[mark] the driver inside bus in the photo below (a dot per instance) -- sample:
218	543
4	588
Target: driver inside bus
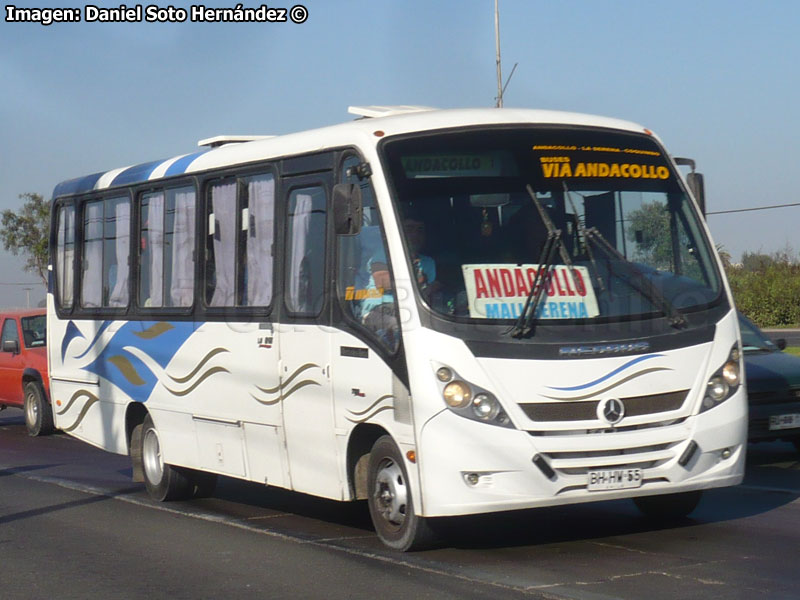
377	309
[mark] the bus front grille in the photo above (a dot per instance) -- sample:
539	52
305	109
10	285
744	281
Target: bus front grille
586	410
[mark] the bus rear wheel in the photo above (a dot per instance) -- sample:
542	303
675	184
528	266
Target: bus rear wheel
669	507
163	482
390	504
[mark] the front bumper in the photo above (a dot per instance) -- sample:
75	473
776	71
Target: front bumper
468	467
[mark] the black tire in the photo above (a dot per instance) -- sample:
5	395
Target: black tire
163	482
390	503
669	507
38	412
203	484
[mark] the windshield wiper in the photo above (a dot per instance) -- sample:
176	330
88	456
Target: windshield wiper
525	324
582	233
641	283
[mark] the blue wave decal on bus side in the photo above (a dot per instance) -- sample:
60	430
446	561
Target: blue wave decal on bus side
71	333
103	326
608	376
158	340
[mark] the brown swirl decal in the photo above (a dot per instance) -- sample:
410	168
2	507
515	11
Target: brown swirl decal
305	367
72	400
154	331
202	363
372	414
371	406
127	369
91	400
372	410
283	385
196	384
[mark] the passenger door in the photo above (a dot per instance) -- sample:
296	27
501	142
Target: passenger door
305	345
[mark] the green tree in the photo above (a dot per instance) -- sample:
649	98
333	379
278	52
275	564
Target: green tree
26	231
648	228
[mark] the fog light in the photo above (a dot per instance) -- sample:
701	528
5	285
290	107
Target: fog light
457	394
472	478
726	453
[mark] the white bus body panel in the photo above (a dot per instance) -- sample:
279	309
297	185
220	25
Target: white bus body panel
450	447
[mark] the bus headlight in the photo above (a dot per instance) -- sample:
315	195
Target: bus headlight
485	406
724	382
717	389
469	400
444	374
457	394
730	373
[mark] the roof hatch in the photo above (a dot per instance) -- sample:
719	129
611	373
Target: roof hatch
385	111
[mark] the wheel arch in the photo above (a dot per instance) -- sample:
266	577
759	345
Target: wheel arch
134	417
359	445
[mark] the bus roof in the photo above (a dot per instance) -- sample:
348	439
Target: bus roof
234	150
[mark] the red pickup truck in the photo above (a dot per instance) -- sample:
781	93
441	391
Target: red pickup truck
23	368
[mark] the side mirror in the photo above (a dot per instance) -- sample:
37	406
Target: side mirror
347	208
696	184
781	343
11	346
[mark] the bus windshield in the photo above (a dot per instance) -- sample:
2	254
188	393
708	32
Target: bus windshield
484	211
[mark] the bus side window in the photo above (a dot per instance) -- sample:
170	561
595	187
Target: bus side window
364	283
65	251
259	194
305	256
166	272
106	248
221	245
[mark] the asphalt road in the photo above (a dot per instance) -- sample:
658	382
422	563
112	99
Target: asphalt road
792	336
72	525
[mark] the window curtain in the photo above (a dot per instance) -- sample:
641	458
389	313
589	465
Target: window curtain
261	196
155	243
92	278
122	248
223	199
66	250
299	275
182	289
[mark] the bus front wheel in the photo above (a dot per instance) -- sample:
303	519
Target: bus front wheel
389	500
163	481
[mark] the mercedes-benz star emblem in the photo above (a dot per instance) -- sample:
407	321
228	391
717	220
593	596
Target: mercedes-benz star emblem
612	410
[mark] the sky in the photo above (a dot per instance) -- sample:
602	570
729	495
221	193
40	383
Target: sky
717	80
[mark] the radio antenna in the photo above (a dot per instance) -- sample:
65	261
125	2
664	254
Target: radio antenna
497	53
500	87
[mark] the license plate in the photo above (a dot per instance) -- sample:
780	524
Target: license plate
784	422
614	479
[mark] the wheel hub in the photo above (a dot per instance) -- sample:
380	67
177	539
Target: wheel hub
391	493
151	457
